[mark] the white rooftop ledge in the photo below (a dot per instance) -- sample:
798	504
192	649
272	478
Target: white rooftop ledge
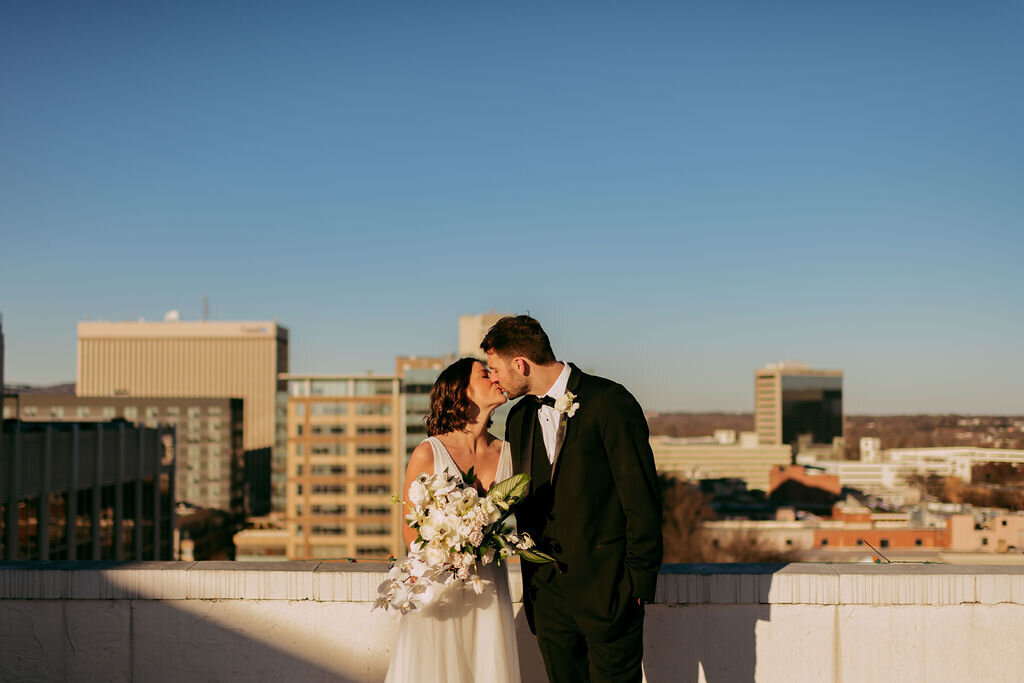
312	621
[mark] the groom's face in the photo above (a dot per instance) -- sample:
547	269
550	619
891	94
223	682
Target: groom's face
505	373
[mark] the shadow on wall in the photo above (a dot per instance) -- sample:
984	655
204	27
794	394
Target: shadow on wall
156	640
715	638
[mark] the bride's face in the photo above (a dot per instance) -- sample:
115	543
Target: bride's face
482	390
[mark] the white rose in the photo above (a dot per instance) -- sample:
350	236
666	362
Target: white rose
476	537
563	402
418	493
436	556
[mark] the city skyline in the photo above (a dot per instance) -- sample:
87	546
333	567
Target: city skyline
680	196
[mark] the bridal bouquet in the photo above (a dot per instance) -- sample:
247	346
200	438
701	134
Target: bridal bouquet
458	530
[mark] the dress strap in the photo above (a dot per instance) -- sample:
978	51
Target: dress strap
442	459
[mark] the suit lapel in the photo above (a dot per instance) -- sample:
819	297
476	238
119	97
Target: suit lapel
527	428
573	385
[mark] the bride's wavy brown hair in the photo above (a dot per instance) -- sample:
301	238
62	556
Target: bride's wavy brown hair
450	407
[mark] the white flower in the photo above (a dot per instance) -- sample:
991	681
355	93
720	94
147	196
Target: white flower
476	537
566	404
418	494
488	556
435	556
463	573
477	584
525	543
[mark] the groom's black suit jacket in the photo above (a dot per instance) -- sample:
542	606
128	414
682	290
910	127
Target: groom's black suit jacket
600	517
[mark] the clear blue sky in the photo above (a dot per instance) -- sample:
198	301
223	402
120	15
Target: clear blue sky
680	194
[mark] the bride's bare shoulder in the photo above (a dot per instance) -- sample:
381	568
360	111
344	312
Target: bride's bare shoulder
421	459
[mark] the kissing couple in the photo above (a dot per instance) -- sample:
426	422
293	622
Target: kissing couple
592	504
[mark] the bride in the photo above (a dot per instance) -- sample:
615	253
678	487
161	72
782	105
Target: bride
462	636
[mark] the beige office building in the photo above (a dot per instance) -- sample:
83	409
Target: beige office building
795	404
346	446
708	459
190	359
472	329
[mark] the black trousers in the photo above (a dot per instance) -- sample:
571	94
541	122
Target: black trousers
570	656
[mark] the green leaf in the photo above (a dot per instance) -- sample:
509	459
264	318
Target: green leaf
469	477
535	556
511	489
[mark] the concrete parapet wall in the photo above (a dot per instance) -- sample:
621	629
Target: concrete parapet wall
153	621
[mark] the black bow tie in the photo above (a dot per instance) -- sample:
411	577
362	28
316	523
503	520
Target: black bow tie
542	400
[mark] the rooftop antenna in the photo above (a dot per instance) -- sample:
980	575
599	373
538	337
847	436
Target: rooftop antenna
206	308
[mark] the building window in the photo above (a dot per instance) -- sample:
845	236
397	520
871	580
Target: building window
373	387
824	541
373	551
194	411
371	470
984	541
298	489
374	511
860	541
328	470
328	530
299	449
884	543
29	411
374	489
328	449
298	470
330	387
321	409
108	412
918	541
298	430
328	489
83	411
1004	522
152	411
57	411
789	541
373	429
329	510
366	449
213	410
174	411
372	530
8	412
375	408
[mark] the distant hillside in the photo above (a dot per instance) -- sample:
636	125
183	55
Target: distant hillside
67	388
895	431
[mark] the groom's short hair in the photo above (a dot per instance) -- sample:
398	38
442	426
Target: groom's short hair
519	335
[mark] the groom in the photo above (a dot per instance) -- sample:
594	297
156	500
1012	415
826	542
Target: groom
593	505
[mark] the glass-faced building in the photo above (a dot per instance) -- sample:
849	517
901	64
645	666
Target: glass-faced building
795	404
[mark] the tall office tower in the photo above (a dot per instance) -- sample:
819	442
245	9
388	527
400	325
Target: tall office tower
346	445
417	377
472	329
794	404
190	359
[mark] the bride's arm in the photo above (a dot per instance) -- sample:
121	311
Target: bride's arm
420	462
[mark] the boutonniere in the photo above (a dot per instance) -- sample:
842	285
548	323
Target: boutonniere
567	405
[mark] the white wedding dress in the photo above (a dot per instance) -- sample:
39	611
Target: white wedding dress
462	637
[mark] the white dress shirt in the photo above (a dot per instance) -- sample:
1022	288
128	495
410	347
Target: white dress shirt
550	419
